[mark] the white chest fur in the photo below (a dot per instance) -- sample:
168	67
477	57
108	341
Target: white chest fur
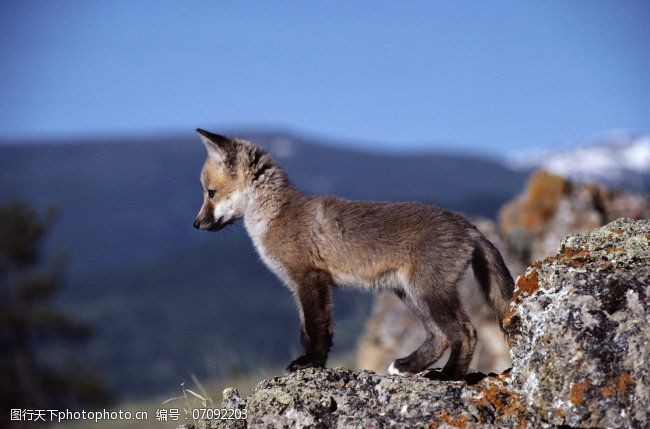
257	228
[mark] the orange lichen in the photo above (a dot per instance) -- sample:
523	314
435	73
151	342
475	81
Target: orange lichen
459	421
617	231
608	390
503	401
624	381
619	386
570	256
577	393
579	259
647	236
529	282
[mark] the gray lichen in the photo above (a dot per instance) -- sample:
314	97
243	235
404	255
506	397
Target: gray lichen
345	398
579	329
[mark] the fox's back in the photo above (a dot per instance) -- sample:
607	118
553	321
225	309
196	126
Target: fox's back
380	240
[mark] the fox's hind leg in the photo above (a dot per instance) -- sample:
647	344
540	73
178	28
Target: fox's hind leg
433	295
448	320
425	355
448	313
462	340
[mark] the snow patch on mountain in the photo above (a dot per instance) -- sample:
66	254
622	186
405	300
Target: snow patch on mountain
620	161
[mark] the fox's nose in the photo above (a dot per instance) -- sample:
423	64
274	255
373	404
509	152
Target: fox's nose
197	225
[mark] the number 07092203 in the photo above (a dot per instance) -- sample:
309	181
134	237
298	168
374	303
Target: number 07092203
219	413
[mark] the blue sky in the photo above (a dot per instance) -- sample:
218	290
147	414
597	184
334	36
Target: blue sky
488	76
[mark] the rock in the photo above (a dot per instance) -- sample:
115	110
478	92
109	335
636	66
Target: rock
579	343
578	327
344	398
552	207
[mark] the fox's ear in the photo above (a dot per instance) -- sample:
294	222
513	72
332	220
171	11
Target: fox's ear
220	148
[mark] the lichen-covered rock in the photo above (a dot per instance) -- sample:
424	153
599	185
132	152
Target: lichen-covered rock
580	346
551	207
342	398
579	329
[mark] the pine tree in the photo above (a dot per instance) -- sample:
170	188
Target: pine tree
30	322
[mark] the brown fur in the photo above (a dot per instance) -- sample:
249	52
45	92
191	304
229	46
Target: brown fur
418	251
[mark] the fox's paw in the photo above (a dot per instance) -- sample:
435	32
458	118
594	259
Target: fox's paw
392	370
405	366
306	361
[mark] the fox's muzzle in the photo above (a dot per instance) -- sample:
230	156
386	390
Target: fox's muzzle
211	225
204	219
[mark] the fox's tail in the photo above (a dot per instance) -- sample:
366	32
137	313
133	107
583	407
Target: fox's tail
493	277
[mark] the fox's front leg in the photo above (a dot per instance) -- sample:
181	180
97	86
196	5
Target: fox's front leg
312	293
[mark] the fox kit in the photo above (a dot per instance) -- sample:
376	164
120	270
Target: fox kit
418	251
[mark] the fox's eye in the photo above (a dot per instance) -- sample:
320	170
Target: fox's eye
211	193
